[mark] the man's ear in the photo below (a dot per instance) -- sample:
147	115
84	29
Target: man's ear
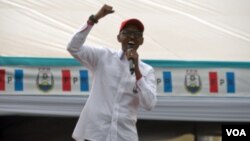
141	41
119	38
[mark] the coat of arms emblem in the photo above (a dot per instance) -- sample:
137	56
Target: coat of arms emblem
45	79
192	81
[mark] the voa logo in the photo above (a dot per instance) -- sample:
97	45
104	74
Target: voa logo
236	132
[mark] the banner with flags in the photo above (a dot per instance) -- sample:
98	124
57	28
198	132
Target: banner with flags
44	80
76	80
203	81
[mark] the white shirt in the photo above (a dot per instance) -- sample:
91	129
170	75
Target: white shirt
110	113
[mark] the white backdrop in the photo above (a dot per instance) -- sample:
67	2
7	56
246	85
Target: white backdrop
214	30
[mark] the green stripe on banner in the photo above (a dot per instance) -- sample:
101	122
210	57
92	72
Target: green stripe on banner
36	61
33	61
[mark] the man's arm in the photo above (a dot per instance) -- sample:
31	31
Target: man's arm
146	86
87	55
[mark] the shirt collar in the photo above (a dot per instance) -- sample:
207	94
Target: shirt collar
121	54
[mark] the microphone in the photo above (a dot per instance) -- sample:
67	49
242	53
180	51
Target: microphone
131	60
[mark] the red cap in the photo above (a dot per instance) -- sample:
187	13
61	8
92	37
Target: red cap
135	22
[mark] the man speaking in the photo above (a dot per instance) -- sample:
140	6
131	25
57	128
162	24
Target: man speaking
121	83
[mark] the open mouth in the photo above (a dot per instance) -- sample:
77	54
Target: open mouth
131	43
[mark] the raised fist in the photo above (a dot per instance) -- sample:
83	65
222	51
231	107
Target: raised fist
105	10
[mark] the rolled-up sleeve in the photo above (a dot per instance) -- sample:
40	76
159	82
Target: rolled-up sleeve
147	90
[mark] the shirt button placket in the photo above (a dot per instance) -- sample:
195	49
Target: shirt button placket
114	123
116	112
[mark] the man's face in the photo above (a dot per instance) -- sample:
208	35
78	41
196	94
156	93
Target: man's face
130	34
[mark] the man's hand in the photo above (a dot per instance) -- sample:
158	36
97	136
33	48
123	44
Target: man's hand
132	54
105	10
